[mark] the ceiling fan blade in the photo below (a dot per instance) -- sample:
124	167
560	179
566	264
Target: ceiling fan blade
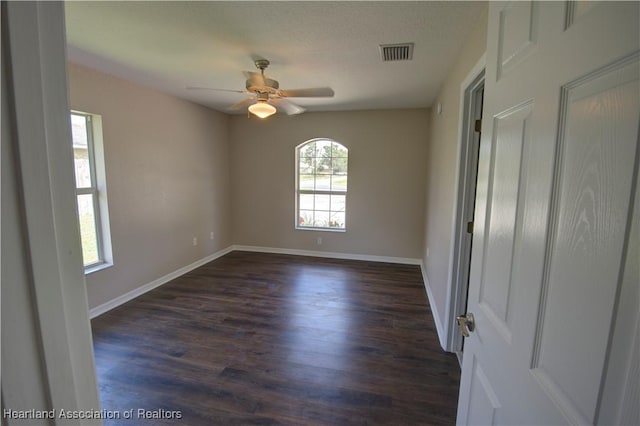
217	90
288	107
255	78
316	92
243	103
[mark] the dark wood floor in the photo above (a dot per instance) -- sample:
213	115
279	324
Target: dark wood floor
267	339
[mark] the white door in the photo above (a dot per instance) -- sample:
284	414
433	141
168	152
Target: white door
554	275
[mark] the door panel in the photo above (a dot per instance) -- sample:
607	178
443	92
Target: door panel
621	392
576	9
550	278
483	403
595	174
510	135
517	34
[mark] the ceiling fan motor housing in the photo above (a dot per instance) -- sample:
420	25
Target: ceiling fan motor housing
270	86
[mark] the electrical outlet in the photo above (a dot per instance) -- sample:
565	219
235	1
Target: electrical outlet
211	235
195	241
319	241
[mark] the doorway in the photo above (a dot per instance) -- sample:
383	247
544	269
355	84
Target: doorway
471	128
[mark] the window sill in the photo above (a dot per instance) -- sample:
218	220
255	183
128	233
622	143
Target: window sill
95	268
300	228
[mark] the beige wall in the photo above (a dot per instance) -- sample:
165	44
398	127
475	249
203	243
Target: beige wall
176	171
385	201
441	168
167	167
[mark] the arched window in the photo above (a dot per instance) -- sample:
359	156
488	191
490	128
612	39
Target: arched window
321	185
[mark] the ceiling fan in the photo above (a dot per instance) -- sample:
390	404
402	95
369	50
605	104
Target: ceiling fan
266	94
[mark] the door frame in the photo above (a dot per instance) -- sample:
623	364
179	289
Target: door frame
466	170
62	373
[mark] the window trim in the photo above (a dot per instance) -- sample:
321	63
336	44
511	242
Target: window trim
314	192
97	189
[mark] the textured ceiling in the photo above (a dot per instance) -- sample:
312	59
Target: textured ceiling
171	45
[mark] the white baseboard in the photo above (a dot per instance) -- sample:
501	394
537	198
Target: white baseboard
442	335
331	255
101	309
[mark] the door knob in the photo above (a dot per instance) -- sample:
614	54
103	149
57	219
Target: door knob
466	323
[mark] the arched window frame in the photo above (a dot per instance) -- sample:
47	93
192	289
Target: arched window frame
321	185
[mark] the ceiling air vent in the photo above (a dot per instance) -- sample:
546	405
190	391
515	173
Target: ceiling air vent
396	52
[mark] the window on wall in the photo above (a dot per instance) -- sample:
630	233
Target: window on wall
321	185
91	193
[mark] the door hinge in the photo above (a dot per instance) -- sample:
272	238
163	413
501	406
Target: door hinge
478	126
470	227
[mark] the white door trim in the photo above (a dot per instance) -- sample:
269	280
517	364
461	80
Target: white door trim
457	278
41	134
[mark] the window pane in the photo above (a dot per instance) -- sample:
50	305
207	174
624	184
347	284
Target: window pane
88	233
338	203
322	202
338	151
82	167
305	218
306	202
321	219
339	165
79	131
309	150
339	182
323	183
307	182
323	149
323	166
80	151
307	165
337	220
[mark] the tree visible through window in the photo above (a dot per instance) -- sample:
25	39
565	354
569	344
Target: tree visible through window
321	172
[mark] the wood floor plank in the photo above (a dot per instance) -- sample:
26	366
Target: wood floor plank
268	339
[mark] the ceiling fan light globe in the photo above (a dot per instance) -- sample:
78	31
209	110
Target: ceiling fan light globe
262	109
